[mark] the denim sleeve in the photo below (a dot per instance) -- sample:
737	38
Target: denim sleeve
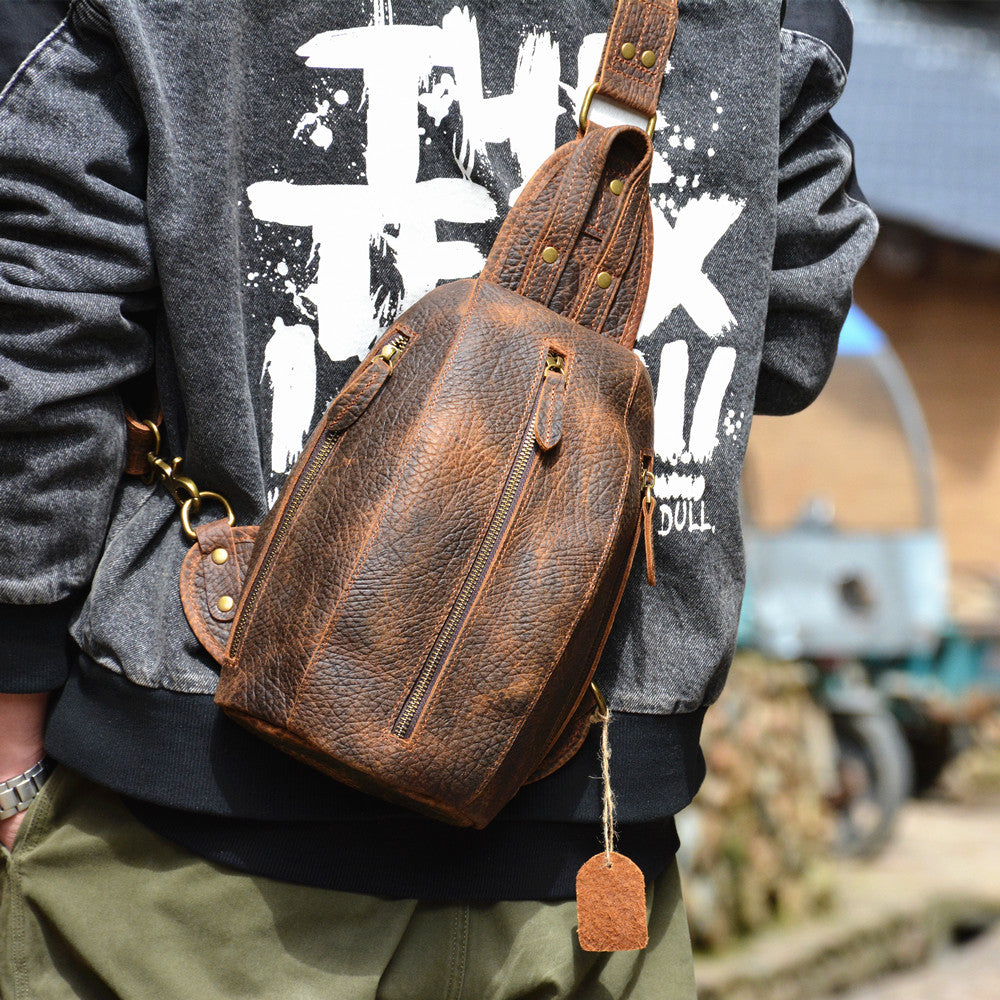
825	230
77	284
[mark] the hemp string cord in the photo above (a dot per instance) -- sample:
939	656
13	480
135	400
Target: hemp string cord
609	799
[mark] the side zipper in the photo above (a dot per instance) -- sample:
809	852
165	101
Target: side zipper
413	708
389	356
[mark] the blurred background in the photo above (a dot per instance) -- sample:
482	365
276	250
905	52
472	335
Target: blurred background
850	823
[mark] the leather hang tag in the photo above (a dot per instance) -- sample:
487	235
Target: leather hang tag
611	904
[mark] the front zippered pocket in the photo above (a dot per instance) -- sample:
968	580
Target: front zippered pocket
416	701
389	355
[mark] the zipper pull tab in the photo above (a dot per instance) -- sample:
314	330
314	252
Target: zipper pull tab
648	508
391	352
548	425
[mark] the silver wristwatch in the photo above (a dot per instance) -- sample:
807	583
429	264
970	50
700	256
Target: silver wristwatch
16	793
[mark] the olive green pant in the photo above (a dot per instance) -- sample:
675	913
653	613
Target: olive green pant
94	905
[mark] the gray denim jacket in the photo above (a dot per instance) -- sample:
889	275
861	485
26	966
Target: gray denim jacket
238	195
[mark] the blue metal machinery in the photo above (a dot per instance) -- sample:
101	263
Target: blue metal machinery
870	609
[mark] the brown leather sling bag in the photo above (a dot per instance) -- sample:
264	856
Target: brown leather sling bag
421	613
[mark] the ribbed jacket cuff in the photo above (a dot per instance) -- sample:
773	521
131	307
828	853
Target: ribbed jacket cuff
34	646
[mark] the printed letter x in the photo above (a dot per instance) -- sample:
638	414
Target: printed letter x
679	253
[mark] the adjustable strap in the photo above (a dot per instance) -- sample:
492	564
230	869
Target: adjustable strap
578	239
635	54
599	286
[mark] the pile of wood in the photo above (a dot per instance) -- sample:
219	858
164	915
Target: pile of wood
756	840
973	777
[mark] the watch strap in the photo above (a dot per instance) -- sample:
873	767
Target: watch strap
17	793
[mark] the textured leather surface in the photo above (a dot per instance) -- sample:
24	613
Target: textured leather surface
611	905
204	581
649	26
569	205
548	427
425	605
355	592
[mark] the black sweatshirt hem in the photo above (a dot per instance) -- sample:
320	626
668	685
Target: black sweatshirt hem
198	779
180	750
407	858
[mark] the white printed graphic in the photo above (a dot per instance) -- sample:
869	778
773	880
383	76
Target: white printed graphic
680	490
679	253
289	364
406	71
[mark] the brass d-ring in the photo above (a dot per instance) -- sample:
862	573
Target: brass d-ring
193	504
602	705
156	435
585	112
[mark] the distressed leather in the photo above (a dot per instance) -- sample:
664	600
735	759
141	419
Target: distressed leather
354	580
204	581
424	607
569	205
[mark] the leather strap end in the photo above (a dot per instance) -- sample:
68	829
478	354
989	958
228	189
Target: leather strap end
139	442
549	422
636	53
649	506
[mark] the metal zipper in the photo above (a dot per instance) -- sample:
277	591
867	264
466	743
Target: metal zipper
389	355
413	707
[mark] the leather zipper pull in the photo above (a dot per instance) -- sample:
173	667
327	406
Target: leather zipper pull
648	509
548	425
357	395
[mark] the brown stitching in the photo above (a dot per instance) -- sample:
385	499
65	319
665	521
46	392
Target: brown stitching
615	249
590	589
570	225
518	220
558	221
618	252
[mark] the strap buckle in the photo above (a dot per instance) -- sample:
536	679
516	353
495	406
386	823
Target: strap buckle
585	111
183	489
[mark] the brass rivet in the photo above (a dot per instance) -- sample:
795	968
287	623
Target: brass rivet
219	556
648	58
550	255
604	280
225	603
617	187
628	51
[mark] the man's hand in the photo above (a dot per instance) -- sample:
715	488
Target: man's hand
22	745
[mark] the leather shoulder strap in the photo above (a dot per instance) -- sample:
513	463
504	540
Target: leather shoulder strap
636	52
579	238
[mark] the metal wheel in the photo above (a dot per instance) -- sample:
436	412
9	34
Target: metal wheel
875	772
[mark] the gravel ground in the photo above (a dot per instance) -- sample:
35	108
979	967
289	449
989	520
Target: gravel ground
967	972
942	869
